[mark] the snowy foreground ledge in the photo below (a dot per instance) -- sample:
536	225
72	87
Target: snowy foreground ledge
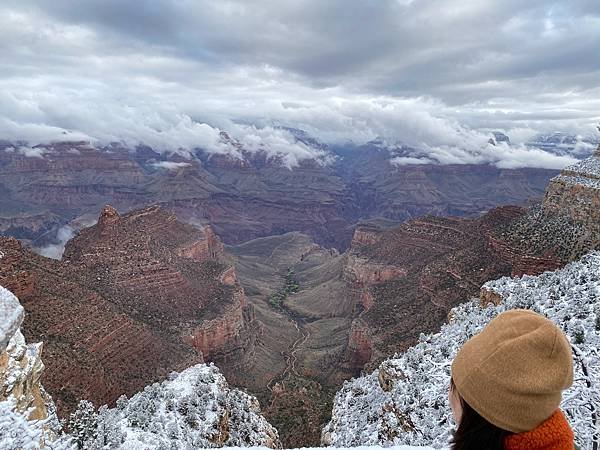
405	401
396	447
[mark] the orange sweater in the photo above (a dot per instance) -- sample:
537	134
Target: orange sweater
553	434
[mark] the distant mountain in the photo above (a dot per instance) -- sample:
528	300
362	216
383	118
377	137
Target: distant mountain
253	194
560	143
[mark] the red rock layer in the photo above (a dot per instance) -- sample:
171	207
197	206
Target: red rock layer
408	278
135	297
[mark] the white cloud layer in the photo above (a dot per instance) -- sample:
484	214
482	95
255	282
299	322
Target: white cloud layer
434	75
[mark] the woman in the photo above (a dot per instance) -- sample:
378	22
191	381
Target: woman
507	384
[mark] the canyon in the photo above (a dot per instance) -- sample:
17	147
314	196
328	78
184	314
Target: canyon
134	298
49	186
313	285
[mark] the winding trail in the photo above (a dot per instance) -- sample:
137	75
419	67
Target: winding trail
290	355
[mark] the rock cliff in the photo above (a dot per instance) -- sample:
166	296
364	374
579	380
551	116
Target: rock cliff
135	297
21	367
405	400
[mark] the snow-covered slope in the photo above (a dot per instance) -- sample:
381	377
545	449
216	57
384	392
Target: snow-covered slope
192	409
405	400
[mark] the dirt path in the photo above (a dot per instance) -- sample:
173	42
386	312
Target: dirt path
290	356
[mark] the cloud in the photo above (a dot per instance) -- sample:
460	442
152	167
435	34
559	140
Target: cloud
170	165
409	161
436	75
56	249
64	234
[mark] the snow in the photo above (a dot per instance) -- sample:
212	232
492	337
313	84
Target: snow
592	183
585	173
193	409
589	167
11	316
413	408
16	432
362	447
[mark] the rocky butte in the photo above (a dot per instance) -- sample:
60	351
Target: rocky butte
134	298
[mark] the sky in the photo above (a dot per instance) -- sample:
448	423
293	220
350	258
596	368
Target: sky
437	75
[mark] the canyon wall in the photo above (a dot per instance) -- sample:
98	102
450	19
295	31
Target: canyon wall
134	297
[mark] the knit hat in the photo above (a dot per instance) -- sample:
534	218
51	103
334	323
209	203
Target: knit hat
513	372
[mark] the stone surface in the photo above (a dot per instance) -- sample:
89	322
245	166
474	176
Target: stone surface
134	297
21	365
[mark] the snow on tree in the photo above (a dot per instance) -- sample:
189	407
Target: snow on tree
17	432
192	409
83	423
405	401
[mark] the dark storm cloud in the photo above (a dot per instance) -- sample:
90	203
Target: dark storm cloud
430	73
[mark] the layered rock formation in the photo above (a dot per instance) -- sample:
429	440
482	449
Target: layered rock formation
405	400
133	298
406	279
410	276
244	197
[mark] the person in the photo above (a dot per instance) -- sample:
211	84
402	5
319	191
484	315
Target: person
506	386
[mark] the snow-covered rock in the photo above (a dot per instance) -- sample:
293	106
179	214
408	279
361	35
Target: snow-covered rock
405	401
11	317
193	409
24	404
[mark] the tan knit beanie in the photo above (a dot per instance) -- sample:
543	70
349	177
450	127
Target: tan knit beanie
514	371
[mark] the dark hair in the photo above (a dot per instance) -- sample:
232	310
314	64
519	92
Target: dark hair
476	433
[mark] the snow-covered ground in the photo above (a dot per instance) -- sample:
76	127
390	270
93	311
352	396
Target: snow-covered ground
192	409
362	447
405	401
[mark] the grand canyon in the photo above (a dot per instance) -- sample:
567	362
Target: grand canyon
288	318
274	224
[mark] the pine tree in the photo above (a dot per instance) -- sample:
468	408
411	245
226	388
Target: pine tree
83	423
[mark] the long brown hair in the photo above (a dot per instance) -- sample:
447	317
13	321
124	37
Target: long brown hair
474	432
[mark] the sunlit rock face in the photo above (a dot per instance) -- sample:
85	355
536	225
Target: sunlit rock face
21	365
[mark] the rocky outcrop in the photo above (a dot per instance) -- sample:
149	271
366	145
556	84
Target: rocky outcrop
135	296
360	348
363	271
226	337
195	408
21	366
487	297
575	193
